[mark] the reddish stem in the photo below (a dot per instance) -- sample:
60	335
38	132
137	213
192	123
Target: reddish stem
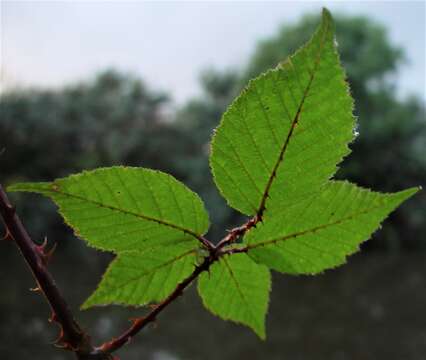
215	253
237	232
142	322
72	337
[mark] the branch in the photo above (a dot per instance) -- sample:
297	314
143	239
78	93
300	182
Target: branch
72	337
215	253
142	322
206	243
237	232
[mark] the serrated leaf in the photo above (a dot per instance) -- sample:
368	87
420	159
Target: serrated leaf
321	231
283	136
149	218
237	289
126	209
140	277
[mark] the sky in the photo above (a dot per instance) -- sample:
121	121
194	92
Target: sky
168	44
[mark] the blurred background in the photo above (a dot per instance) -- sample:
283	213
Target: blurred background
89	84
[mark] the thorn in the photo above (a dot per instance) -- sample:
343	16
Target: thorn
11	208
7	236
53	317
49	254
59	342
135	321
46	255
43	245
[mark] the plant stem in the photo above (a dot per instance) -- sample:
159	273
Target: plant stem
142	322
237	232
72	337
215	253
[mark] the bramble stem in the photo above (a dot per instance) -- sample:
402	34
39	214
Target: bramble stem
215	253
237	232
72	337
142	322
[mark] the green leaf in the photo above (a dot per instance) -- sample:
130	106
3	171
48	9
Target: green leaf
236	288
126	209
321	231
283	136
139	277
149	218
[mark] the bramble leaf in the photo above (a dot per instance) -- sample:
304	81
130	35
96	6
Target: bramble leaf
140	277
272	157
149	218
126	209
321	231
283	136
237	289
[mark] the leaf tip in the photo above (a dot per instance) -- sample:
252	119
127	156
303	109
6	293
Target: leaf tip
327	20
407	193
326	15
261	333
87	304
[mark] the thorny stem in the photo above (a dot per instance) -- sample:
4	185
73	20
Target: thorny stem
239	231
140	323
72	336
207	243
216	251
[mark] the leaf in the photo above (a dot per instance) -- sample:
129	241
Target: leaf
320	232
126	209
237	289
149	218
139	277
281	139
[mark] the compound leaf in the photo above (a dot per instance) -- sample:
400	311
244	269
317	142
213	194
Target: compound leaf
272	156
321	231
283	136
237	289
126	209
140	277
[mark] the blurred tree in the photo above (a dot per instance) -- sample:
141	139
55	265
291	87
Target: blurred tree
199	117
112	119
116	119
389	153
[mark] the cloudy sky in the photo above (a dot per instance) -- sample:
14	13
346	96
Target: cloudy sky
50	43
